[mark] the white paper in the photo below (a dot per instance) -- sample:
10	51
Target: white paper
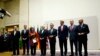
34	41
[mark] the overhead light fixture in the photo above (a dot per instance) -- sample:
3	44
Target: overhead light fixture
3	13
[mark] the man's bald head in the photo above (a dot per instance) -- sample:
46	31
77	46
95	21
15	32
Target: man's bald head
81	21
71	22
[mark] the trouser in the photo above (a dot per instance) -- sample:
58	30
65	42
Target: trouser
43	46
10	47
84	43
1	46
52	47
6	45
63	43
25	46
33	49
16	48
74	42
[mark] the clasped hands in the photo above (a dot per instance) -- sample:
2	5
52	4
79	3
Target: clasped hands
81	33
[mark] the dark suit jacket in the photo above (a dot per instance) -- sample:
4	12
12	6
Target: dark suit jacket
84	29
1	38
63	34
44	34
54	33
25	35
2	43
73	33
16	36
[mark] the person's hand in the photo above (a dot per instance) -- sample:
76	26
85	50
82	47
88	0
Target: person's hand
79	33
41	38
24	38
82	33
51	36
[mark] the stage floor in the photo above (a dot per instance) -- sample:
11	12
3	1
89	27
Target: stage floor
90	52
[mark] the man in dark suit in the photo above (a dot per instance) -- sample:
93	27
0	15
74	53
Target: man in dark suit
15	36
73	37
25	39
63	35
43	38
10	41
5	34
82	31
1	42
52	33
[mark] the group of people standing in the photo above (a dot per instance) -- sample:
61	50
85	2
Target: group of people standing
5	41
77	35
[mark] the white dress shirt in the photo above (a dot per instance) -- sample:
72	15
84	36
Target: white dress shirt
24	30
62	28
51	30
14	32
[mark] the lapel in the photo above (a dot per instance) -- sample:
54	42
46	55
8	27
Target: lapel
40	31
23	31
83	26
